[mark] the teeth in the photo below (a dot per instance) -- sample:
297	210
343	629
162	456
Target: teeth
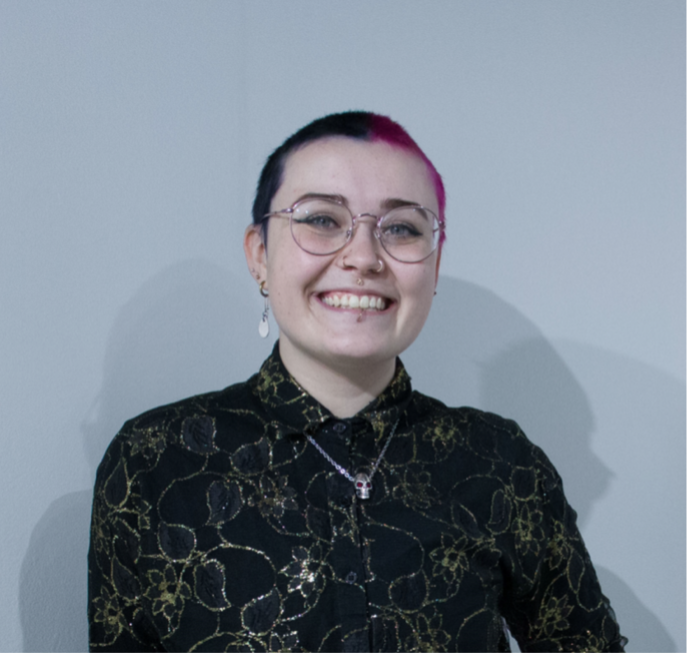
354	302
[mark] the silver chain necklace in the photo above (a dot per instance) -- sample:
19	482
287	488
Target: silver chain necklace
362	480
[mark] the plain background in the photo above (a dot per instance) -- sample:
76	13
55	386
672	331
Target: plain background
131	137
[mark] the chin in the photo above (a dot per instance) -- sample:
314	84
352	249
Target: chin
357	352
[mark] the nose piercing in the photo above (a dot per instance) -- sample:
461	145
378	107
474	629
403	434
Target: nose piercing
360	282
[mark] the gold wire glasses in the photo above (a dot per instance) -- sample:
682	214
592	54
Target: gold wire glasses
324	225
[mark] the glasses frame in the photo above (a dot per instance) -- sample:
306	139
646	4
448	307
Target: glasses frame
290	211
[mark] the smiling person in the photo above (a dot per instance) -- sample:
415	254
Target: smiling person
323	505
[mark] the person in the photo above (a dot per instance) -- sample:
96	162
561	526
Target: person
323	505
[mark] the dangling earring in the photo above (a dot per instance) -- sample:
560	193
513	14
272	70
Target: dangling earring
263	324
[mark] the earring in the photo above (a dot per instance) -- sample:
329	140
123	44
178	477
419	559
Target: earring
263	324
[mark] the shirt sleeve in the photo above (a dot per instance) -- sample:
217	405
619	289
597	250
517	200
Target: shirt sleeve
117	619
555	602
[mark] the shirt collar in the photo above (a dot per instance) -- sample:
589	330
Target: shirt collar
299	412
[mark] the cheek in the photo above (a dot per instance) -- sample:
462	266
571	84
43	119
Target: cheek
291	277
420	288
419	298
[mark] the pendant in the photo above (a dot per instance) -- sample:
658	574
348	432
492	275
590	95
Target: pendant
263	325
362	485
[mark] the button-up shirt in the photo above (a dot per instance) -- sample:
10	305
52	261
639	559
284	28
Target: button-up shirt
218	526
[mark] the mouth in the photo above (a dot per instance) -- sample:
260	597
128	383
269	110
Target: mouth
349	301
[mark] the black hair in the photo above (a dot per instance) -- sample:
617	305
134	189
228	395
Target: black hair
366	126
356	125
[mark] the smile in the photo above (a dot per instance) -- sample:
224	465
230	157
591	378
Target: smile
355	302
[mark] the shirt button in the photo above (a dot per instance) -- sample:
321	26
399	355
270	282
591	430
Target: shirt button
340	427
351	578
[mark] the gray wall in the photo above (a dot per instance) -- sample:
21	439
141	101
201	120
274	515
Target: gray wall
131	136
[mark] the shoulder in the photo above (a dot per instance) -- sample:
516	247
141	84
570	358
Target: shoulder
484	435
468	420
196	426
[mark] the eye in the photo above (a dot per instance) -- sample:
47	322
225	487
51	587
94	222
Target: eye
401	230
320	221
407	225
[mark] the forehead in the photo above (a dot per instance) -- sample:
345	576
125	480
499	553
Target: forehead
365	173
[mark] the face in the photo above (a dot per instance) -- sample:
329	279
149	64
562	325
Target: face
312	296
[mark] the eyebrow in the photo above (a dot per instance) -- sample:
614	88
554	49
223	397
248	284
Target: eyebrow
388	204
392	203
337	198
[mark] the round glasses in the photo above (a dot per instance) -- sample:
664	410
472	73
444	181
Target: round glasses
409	233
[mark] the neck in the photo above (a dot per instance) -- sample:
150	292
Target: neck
343	387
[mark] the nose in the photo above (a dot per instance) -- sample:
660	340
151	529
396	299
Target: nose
363	251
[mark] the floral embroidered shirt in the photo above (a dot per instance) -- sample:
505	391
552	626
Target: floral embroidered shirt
217	526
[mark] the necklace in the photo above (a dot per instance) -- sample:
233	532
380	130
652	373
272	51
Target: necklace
362	479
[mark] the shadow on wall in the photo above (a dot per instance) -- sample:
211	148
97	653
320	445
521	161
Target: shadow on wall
487	355
477	350
192	328
189	329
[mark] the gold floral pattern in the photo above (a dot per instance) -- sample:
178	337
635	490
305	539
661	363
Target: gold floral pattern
553	616
217	527
442	436
416	489
147	441
273	497
428	636
167	593
450	559
559	549
107	612
528	530
306	571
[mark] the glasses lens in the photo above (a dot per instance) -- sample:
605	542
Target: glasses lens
410	234
320	226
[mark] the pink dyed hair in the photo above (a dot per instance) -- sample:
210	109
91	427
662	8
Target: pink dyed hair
387	130
354	125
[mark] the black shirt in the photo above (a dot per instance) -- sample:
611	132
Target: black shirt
217	526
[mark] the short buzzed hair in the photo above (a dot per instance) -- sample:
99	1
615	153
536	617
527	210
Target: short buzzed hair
365	126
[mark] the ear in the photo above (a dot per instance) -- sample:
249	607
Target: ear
255	251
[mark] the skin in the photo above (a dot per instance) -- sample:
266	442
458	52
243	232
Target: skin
345	358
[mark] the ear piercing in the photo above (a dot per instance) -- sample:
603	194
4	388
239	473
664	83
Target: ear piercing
263	324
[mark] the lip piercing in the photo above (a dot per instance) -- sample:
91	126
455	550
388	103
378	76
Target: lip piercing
360	315
360	282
